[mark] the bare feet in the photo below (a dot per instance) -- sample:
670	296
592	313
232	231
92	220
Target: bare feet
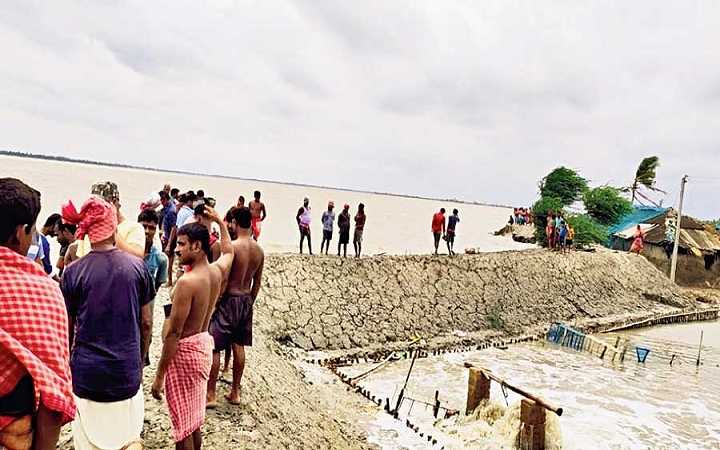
233	399
211	402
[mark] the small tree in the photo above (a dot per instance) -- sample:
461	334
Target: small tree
606	205
587	230
540	210
563	183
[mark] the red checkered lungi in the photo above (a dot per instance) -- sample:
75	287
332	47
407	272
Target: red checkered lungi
33	335
186	384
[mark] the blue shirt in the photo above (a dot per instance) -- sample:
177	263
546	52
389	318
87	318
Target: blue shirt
157	265
452	222
47	264
105	292
169	218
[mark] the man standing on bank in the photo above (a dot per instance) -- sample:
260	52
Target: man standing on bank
450	234
344	229
35	384
187	353
328	219
258	212
108	293
360	219
231	323
438	227
303	219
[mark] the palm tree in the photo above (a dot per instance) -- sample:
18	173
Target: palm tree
645	176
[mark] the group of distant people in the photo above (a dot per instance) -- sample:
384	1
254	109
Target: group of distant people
442	231
304	219
521	216
559	233
73	347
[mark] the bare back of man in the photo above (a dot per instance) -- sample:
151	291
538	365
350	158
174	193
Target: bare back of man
248	261
231	325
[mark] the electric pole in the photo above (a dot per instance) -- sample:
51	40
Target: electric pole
673	261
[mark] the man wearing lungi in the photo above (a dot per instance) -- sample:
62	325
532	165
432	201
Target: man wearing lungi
187	356
108	294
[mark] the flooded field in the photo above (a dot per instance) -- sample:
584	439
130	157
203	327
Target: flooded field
606	405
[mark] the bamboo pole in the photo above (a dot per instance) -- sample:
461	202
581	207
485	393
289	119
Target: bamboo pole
536	399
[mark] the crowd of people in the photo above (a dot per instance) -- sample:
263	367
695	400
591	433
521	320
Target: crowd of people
304	219
521	216
73	347
559	233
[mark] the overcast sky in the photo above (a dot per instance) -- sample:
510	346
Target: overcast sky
469	99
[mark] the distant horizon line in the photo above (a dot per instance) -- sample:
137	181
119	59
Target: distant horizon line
40	156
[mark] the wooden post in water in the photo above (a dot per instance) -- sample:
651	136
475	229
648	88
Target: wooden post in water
478	389
532	425
699	348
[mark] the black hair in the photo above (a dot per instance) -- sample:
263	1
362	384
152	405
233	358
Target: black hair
164	195
174	192
52	220
256	194
19	205
200	210
149	215
229	215
201	193
361	207
191	197
242	217
197	232
70	228
241	199
442	210
455	211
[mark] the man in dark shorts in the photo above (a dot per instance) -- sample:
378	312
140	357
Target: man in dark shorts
450	233
328	218
360	219
344	228
231	323
438	227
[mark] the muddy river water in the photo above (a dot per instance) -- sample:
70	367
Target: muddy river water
607	405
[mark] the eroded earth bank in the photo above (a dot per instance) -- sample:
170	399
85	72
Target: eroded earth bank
341	306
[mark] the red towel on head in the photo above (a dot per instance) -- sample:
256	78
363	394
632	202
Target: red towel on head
97	218
33	335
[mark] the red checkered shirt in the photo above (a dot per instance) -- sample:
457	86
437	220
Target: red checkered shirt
33	335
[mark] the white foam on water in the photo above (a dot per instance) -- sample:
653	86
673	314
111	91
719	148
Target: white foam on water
606	405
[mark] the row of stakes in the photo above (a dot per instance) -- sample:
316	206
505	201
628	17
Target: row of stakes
379	402
380	355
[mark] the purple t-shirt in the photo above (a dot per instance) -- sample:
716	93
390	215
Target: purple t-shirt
105	292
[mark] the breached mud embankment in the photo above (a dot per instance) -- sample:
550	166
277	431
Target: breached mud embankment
330	303
327	303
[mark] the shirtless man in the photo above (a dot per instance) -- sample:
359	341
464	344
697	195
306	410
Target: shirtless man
186	358
231	323
258	213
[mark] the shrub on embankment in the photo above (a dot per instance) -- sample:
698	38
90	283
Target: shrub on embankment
334	303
